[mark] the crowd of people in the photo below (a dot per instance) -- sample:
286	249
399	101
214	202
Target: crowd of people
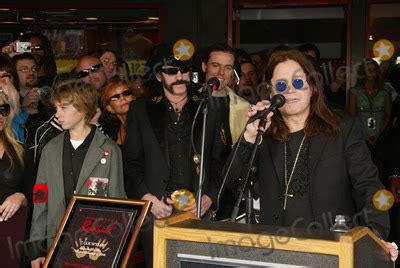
139	137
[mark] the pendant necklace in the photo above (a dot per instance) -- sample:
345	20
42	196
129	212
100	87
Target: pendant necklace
175	104
287	182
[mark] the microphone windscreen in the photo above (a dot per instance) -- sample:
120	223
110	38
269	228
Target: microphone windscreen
277	101
213	83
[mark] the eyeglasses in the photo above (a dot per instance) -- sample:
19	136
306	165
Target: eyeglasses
86	72
175	70
4	75
282	85
5	109
26	69
124	93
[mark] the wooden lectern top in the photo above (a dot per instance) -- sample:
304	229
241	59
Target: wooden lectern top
350	249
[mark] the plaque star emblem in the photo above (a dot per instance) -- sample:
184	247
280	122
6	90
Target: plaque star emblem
383	200
383	49
183	49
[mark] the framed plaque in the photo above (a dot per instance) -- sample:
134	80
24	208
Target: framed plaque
97	232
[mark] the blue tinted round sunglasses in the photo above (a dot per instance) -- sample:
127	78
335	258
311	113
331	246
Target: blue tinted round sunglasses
282	85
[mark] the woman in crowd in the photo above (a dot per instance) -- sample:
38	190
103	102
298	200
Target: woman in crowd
8	70
115	100
123	70
17	173
109	61
9	84
311	163
370	101
91	164
17	176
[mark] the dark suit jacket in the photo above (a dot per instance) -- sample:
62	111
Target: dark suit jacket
48	215
342	177
146	156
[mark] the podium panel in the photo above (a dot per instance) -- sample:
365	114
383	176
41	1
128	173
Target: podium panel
191	253
184	241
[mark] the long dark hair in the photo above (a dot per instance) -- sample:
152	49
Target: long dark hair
320	119
99	52
7	65
362	74
48	61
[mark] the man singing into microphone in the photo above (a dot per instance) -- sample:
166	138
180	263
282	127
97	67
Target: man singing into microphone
158	157
227	117
312	164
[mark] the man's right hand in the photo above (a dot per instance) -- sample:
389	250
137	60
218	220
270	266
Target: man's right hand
31	97
159	208
11	49
37	263
251	129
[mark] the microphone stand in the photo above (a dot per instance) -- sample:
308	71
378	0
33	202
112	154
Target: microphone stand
245	185
249	197
204	103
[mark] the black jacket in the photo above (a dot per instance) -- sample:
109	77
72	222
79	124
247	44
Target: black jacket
342	178
145	151
43	135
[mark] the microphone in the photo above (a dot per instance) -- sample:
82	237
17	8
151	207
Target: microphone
213	84
277	101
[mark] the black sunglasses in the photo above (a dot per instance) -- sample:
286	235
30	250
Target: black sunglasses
86	72
39	47
175	70
5	109
125	93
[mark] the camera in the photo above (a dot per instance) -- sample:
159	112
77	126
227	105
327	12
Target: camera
23	47
43	92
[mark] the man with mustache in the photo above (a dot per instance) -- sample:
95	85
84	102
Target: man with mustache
158	157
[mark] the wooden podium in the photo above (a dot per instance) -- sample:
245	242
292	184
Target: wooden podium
184	241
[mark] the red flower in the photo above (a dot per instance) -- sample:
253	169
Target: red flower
40	193
106	152
88	182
